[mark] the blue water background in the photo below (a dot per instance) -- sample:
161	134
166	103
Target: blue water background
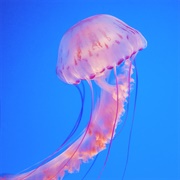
38	110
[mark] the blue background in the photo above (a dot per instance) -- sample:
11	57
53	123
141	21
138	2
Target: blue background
38	110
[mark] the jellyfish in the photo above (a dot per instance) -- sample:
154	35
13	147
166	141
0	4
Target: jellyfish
100	50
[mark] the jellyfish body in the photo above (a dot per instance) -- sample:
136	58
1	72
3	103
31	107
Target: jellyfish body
94	45
91	50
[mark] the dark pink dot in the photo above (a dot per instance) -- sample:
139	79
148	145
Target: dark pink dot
77	82
107	46
92	76
120	61
109	67
102	70
133	53
127	57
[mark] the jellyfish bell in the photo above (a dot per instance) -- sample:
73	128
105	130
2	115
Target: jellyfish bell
95	45
91	50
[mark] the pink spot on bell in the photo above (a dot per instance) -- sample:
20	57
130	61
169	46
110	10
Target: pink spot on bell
127	57
77	81
107	46
117	42
102	71
133	53
120	36
90	53
92	76
120	61
109	67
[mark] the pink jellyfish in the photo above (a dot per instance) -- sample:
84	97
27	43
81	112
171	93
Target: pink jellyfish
100	49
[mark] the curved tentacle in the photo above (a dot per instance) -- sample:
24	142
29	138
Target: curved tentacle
132	122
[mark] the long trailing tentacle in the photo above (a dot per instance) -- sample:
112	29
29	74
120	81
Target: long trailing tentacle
132	122
77	123
84	135
127	108
114	124
87	172
75	127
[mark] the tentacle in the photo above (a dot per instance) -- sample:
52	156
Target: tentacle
132	122
114	125
39	164
100	131
94	161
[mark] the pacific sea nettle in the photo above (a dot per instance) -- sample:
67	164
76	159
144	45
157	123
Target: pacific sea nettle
101	49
